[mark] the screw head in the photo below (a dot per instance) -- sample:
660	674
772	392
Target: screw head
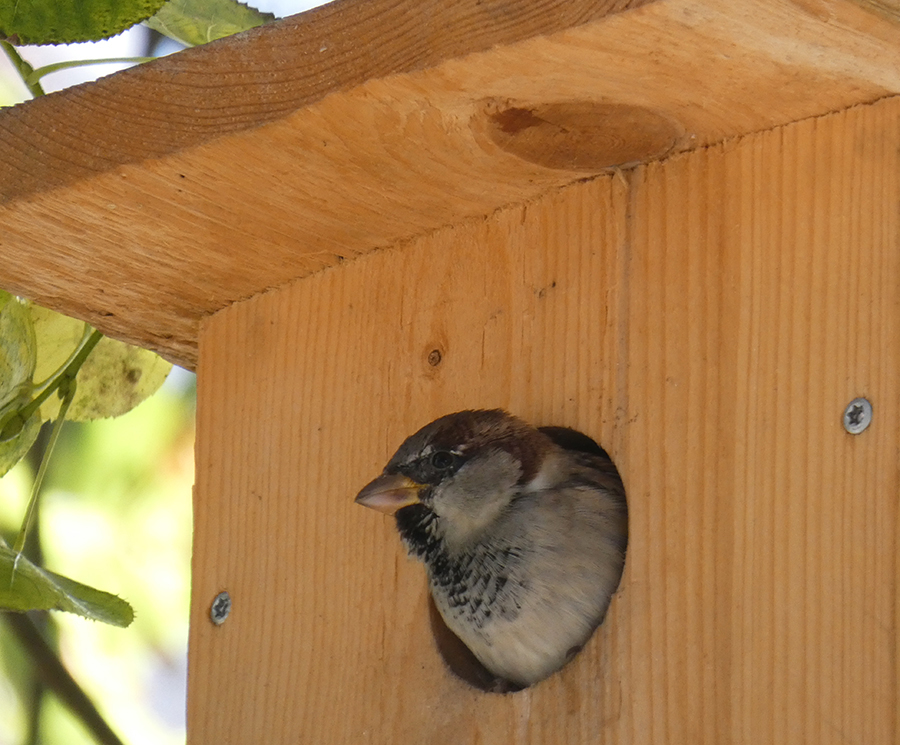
857	416
220	608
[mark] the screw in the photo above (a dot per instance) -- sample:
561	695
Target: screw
857	416
220	608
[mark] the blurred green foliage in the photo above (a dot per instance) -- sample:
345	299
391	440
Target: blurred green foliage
116	511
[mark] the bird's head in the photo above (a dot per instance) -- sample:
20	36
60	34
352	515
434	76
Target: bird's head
464	469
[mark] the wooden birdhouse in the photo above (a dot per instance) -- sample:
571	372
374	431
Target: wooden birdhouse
672	225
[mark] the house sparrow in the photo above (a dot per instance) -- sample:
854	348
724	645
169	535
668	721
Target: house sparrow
523	532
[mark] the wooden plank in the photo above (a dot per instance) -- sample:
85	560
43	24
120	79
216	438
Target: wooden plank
706	319
258	77
155	197
887	8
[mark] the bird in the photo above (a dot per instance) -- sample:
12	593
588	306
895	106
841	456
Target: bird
522	530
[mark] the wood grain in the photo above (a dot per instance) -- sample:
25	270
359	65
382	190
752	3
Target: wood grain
888	8
258	77
706	319
153	198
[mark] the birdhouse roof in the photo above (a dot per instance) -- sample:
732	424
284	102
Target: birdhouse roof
155	197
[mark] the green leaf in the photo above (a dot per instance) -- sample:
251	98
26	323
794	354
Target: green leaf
15	448
57	336
17	364
24	586
114	379
66	21
195	22
18	355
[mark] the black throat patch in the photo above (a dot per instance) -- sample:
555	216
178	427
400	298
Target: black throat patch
474	584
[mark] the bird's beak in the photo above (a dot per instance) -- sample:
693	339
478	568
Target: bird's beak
389	492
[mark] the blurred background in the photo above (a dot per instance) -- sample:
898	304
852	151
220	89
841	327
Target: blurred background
115	513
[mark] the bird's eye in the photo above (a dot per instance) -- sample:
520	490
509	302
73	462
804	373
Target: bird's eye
442	460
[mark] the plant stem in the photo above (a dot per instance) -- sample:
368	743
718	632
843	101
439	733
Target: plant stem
85	335
36	486
65	382
23	68
65	376
35	75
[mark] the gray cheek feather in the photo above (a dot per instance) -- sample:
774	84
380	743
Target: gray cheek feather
475	496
